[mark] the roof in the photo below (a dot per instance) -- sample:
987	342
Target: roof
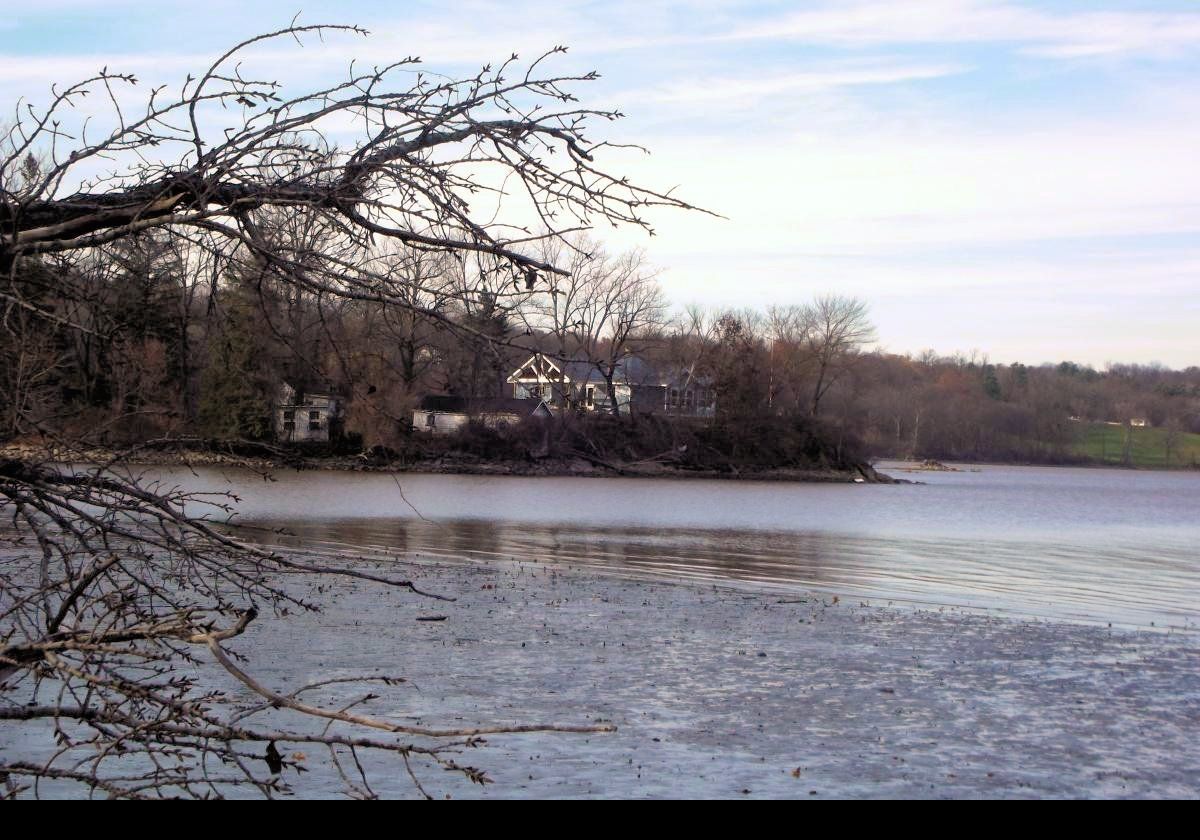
682	379
632	370
441	402
462	405
289	394
505	405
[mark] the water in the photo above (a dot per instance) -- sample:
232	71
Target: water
1092	545
719	692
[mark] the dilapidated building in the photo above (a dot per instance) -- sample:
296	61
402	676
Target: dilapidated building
307	416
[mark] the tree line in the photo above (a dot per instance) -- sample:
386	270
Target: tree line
174	344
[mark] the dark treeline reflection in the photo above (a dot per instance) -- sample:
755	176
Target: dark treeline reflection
1027	577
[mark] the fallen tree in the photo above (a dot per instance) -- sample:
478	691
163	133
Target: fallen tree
116	592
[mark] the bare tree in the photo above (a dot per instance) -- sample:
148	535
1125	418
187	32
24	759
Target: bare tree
111	590
382	355
740	363
601	311
690	346
838	330
788	331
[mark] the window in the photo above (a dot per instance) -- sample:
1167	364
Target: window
430	420
314	421
289	416
689	399
674	398
591	396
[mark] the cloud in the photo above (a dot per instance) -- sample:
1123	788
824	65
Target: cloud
845	190
1047	34
60	70
945	158
747	90
1121	302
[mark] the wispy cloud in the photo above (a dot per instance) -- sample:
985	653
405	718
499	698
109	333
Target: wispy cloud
1050	34
959	162
749	90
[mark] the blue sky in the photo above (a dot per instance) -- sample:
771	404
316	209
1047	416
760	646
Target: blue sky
1018	178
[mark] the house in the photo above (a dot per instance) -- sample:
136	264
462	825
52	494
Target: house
307	416
444	415
637	386
690	396
579	384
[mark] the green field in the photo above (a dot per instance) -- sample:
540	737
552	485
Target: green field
1102	442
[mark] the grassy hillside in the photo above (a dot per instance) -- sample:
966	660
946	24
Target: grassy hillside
1102	442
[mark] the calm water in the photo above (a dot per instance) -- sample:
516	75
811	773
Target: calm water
1078	544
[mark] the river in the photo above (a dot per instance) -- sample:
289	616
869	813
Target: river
1090	545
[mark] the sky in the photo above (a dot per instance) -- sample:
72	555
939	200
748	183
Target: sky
1020	179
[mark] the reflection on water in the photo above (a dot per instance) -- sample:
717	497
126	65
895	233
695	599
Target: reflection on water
1097	545
1118	585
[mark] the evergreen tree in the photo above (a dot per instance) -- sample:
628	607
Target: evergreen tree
235	388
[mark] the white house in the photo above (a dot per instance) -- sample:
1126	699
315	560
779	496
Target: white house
307	416
579	384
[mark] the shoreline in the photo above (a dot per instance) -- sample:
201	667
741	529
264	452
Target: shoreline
573	467
1089	465
578	466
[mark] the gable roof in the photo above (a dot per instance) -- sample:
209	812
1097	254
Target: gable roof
537	365
290	395
632	371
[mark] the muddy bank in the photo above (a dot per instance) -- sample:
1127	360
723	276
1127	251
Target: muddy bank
591	467
266	459
728	692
